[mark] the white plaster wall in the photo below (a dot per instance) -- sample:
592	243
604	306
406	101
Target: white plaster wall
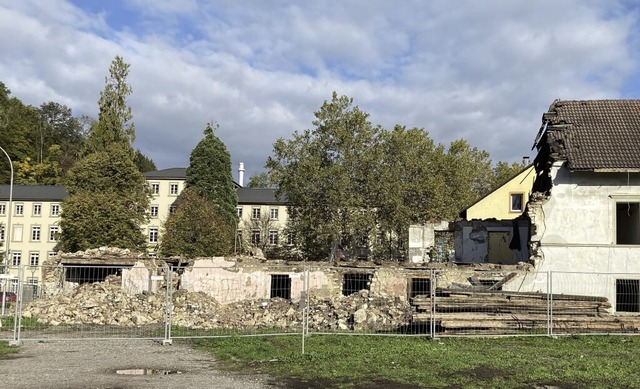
579	233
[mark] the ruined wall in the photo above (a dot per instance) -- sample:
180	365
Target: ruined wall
422	240
574	230
472	240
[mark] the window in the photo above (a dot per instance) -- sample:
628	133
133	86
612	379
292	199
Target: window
153	234
420	287
273	213
173	189
53	233
55	209
154	211
281	286
1	232
291	238
155	188
3	209
34	258
273	237
516	203
627	223
255	237
35	233
255	213
355	282
628	295
172	208
37	209
17	233
51	254
19	210
15	258
239	212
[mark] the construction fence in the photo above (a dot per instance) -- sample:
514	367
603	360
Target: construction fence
167	303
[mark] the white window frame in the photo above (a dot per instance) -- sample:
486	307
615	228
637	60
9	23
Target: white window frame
255	213
239	212
155	188
3	209
173	189
16	258
273	237
153	234
273	213
35	233
37	209
255	237
19	210
34	255
153	211
512	195
55	209
53	231
2	233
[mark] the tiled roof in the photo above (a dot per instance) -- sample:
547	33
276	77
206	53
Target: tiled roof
33	193
595	135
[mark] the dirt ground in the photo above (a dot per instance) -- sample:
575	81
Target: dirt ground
94	364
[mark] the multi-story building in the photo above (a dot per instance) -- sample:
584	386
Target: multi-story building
34	216
31	236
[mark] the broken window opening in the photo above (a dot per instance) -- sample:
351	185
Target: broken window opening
443	246
83	275
281	286
420	287
628	295
355	282
627	223
490	284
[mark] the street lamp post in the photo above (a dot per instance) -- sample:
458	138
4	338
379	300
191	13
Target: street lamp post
7	235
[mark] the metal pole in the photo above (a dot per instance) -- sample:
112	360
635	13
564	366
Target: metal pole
7	235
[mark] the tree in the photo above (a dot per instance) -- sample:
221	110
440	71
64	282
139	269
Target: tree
108	196
209	172
60	128
326	174
114	124
503	172
260	180
144	163
197	228
205	220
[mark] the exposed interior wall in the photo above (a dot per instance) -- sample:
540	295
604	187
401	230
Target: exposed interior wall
473	241
422	240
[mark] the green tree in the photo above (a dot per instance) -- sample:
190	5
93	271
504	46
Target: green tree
60	128
327	174
503	172
114	124
209	172
108	196
197	228
144	163
205	220
260	180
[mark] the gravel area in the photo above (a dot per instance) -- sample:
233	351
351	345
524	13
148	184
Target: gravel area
93	364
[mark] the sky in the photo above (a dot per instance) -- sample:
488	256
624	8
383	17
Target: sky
484	71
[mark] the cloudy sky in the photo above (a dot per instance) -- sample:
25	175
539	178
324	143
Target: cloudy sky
480	70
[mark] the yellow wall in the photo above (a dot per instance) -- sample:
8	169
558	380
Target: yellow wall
497	204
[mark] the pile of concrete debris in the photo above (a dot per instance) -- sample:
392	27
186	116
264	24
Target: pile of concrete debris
105	303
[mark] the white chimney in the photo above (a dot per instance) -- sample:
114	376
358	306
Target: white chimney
525	160
241	174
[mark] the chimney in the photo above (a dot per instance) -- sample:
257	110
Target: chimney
525	160
241	174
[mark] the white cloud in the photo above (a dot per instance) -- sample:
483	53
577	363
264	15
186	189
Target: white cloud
484	71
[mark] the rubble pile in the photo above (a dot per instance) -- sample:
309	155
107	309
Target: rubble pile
105	303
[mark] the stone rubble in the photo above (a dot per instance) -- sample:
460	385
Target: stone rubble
105	303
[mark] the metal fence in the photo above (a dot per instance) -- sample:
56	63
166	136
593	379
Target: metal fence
166	303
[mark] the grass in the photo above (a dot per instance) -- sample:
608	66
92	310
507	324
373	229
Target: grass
364	362
6	350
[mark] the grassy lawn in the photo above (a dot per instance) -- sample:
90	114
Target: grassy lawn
6	350
388	362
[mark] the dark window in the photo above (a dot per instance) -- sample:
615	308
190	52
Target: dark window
355	282
627	223
420	286
628	295
281	286
516	202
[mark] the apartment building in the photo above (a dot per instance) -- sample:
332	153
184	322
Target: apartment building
34	216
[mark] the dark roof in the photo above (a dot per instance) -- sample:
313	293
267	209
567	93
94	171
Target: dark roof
33	193
174	172
258	196
594	135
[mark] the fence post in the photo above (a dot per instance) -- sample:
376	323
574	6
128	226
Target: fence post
168	309
550	303
305	306
432	295
17	319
